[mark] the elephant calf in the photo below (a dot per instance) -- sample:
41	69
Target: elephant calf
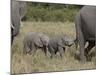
33	41
58	43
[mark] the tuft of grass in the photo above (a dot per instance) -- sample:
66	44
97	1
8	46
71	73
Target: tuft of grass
21	63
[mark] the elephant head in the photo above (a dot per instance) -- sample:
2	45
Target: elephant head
16	15
67	41
22	9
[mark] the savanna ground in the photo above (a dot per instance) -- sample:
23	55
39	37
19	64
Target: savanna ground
21	63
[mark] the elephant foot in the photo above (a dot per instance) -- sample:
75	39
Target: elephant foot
79	57
82	59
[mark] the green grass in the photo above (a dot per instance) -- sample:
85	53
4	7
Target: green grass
40	63
51	12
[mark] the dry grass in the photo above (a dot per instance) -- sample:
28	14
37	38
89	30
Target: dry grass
40	63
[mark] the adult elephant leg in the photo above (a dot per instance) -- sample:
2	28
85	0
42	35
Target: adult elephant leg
88	49
80	37
82	48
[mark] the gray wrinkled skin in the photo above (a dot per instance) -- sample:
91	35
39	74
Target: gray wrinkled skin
33	41
17	13
85	30
58	43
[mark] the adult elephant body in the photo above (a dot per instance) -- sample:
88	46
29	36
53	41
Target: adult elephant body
17	12
86	30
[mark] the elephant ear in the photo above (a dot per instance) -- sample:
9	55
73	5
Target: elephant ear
22	9
60	43
38	42
65	39
44	39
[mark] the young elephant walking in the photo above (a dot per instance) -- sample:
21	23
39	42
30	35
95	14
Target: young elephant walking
58	43
33	41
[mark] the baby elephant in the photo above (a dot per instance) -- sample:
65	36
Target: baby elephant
33	41
58	43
